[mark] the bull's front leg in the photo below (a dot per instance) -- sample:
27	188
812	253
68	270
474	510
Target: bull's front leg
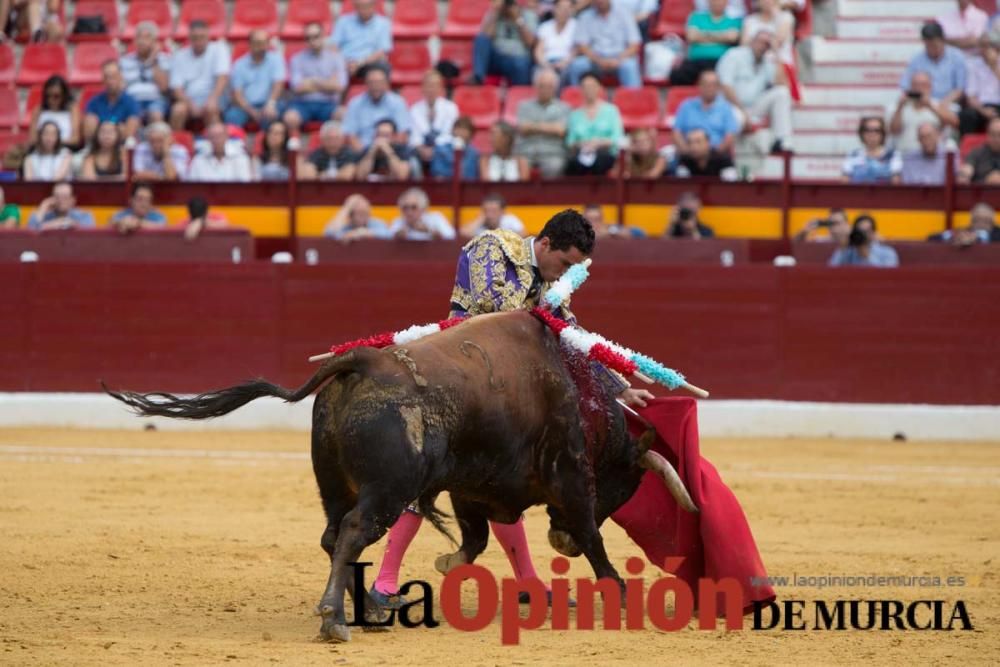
472	522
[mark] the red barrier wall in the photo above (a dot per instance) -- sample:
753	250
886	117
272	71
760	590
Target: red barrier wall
913	335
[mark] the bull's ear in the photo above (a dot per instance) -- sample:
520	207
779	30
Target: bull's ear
646	441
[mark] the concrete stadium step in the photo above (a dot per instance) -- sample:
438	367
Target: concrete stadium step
853	27
880	74
863	51
894	7
814	94
806	118
804	167
827	142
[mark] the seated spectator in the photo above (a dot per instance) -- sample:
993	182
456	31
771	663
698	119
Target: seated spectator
836	224
220	165
504	44
685	223
140	213
363	38
964	26
927	164
112	103
735	8
709	35
982	165
874	162
10	214
642	11
982	228
864	247
354	221
944	64
201	219
594	213
709	111
780	23
501	164
982	90
48	160
915	108
554	46
492	215
256	84
541	126
59	211
443	161
105	159
643	159
332	160
416	223
757	88
158	158
388	156
317	78
272	163
146	72
367	109
594	132
607	41
57	106
199	74
700	159
37	20
432	118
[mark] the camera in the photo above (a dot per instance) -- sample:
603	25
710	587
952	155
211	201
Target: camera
684	214
857	238
824	223
914	95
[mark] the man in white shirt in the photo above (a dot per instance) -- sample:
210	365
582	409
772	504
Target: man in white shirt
916	107
416	223
220	165
554	46
431	118
199	74
158	158
493	215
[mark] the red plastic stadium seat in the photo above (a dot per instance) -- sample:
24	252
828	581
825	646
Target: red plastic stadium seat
673	18
291	48
639	107
301	13
40	61
415	19
483	142
675	96
804	21
249	15
481	103
970	142
212	12
9	139
353	91
409	61
87	61
347	7
464	18
34	99
572	96
515	95
107	9
459	53
237	50
8	65
157	11
411	94
185	139
10	115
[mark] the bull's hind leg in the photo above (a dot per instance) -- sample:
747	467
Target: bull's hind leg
475	529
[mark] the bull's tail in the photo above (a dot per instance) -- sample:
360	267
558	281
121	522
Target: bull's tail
427	508
223	401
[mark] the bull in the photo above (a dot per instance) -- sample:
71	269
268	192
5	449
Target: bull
490	410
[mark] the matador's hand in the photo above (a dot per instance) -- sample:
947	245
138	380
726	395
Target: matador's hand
635	398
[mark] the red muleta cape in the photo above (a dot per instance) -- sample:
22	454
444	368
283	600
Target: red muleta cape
716	543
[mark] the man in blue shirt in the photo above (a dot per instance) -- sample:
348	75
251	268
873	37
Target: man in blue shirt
59	212
113	104
710	112
363	38
140	214
256	82
377	103
944	64
864	248
607	39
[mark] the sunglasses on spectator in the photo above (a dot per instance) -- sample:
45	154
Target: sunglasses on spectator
407	207
872	128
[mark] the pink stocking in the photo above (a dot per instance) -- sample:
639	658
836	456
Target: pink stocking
400	536
515	544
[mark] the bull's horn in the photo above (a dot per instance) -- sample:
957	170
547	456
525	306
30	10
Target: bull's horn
652	460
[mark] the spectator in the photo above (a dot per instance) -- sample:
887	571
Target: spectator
709	35
48	160
594	132
780	23
59	211
864	248
594	213
836	224
944	64
112	103
685	223
201	219
140	213
158	158
443	161
756	87
874	162
332	160
37	20
607	41
493	215
541	126
982	165
105	159
734	8
220	165
982	90
317	78
710	112
10	214
927	164
643	159
354	221
272	163
57	106
416	223
432	118
199	74
363	38
700	159
915	108
501	164
256	83
554	46
388	156
964	27
643	11
146	72
982	228
367	109
504	44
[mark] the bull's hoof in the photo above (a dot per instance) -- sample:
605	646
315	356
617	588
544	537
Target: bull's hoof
334	632
448	562
564	543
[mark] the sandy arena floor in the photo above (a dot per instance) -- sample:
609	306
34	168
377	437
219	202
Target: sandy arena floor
159	548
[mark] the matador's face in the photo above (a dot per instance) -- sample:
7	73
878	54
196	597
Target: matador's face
553	263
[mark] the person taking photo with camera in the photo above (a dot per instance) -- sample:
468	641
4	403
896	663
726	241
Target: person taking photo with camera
864	248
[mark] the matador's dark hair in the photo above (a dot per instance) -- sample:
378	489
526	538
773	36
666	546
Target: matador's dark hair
569	229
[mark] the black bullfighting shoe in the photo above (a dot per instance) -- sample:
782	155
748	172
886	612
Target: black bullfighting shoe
388	600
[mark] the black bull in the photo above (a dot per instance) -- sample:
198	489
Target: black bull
487	410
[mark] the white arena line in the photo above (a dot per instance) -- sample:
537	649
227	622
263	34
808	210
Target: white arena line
142	452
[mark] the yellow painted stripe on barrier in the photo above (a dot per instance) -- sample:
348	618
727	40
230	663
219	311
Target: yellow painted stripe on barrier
893	224
312	220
